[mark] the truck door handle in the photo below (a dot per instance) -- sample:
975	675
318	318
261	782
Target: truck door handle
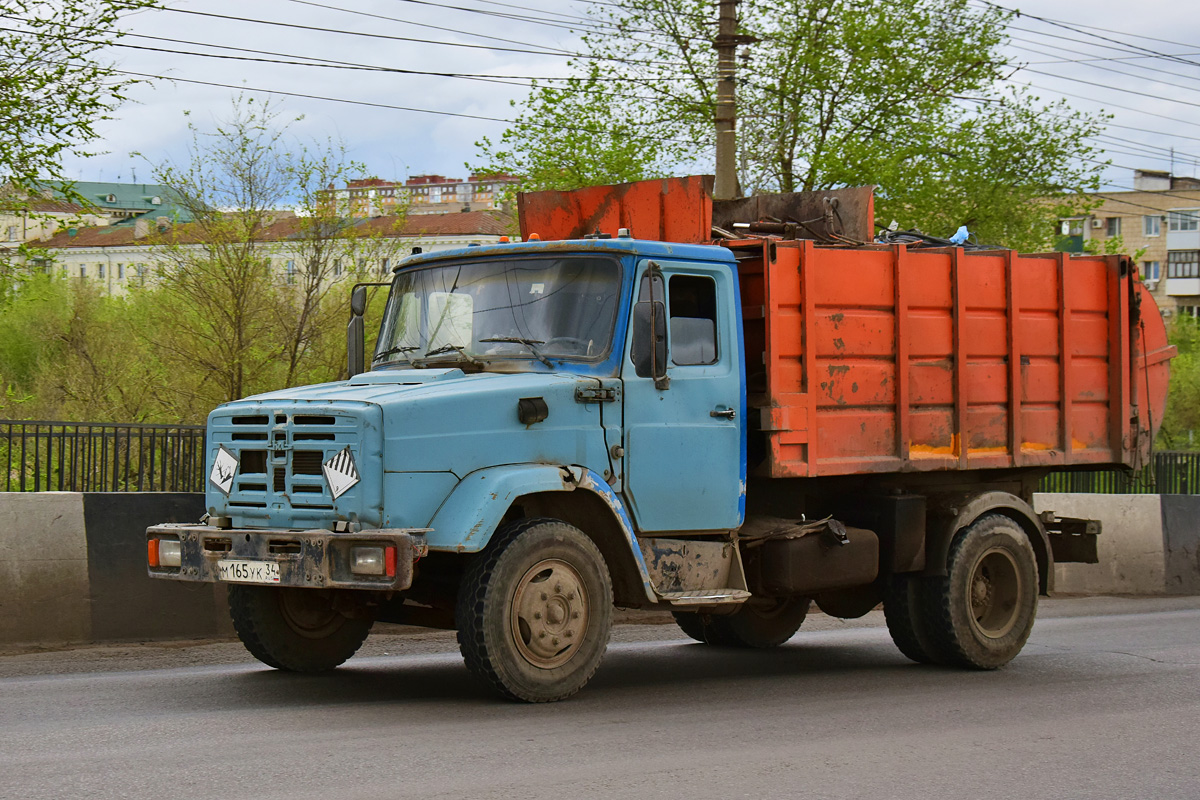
727	413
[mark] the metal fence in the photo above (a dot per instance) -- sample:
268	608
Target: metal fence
101	457
1169	472
116	457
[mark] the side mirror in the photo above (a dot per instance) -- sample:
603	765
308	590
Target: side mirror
358	301
649	349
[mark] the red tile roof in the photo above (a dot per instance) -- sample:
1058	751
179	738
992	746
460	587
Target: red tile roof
469	223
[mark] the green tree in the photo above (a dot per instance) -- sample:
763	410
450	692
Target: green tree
576	135
252	295
1181	422
906	95
55	88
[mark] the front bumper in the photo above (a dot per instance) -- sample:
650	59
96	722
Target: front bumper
318	559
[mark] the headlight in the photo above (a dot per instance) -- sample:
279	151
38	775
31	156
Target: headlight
164	553
366	561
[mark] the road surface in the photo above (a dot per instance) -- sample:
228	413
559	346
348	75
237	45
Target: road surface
1103	703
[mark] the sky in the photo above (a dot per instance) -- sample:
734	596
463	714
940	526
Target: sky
1143	67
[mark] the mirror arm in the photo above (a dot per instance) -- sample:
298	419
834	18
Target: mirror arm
661	382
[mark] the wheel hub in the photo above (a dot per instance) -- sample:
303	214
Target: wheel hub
549	613
995	589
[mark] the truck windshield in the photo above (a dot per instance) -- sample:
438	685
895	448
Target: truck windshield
537	308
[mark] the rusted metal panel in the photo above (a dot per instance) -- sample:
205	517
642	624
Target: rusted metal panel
823	214
679	565
668	210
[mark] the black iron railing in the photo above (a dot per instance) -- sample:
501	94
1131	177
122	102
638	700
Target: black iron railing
42	456
1169	472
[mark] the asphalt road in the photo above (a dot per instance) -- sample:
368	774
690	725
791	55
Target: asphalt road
1103	703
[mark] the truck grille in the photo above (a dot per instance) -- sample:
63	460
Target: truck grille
280	456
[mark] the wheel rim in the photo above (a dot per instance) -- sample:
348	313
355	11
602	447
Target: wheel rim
549	613
993	593
309	613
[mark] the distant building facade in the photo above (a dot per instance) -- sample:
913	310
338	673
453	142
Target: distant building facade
1160	217
119	256
421	194
92	204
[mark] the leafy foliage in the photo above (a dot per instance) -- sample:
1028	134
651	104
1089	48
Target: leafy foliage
224	317
1181	422
54	88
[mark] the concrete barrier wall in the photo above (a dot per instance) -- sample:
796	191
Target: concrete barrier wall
1131	545
72	566
43	568
73	569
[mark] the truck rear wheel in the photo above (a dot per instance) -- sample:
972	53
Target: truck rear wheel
755	625
981	613
902	610
298	630
535	610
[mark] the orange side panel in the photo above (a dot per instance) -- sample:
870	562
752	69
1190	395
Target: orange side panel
878	359
668	210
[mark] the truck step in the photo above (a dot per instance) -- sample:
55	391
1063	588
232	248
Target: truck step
705	597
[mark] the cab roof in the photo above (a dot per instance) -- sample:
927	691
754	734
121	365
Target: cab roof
618	246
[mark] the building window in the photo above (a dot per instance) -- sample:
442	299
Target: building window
120	272
12	233
337	267
83	270
1183	220
100	270
291	271
1183	264
141	273
1150	271
383	268
1190	311
1112	226
1151	225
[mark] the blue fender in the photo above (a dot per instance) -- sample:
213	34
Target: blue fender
470	515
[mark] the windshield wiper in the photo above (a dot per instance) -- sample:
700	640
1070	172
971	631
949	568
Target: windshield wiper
527	342
391	351
448	348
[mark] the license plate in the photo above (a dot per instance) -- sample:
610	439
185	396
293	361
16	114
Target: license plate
241	571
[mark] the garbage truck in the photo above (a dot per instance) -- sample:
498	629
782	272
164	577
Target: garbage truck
731	411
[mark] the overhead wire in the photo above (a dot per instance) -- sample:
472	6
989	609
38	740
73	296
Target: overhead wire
390	37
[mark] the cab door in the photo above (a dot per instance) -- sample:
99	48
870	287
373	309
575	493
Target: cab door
684	439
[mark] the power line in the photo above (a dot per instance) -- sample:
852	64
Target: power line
388	106
393	38
1075	25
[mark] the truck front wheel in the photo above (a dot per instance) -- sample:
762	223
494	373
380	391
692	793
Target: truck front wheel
299	630
981	613
534	611
757	624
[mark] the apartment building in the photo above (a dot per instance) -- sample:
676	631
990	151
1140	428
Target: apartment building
1161	219
420	194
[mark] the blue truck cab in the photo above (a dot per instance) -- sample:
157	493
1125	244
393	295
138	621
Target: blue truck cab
545	428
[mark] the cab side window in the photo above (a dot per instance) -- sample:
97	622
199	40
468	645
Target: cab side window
693	320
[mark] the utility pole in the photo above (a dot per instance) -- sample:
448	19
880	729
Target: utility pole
726	44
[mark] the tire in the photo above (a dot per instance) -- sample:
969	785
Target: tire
528	641
981	613
753	626
297	630
903	611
